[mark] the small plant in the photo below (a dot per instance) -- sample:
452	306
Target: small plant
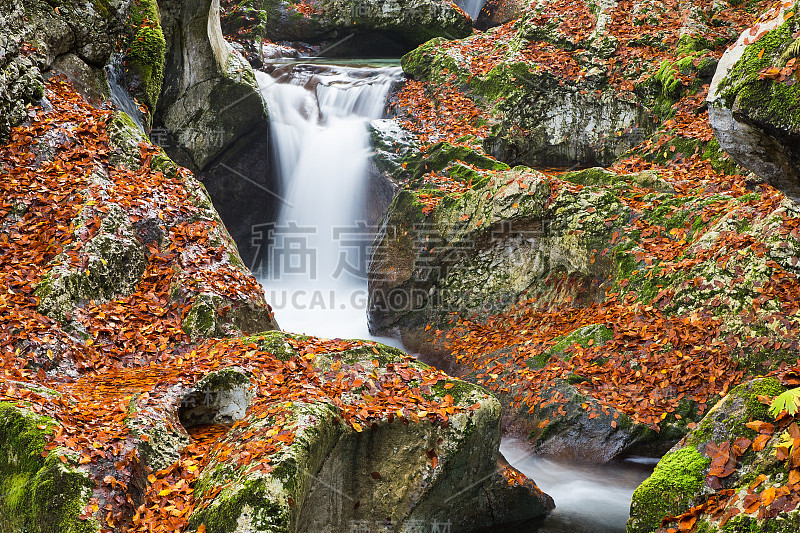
788	401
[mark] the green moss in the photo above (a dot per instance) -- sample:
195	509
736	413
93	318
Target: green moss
146	51
419	63
267	502
597	334
103	7
443	154
719	159
783	523
762	387
747	395
591	176
201	320
459	390
41	495
689	43
766	101
677	478
273	342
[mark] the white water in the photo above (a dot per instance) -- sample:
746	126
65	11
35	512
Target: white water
472	7
589	498
316	279
320	143
115	74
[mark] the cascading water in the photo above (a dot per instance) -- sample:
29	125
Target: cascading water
115	74
315	274
589	498
316	271
471	7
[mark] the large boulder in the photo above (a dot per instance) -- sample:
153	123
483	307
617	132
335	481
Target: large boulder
754	99
477	252
401	467
210	98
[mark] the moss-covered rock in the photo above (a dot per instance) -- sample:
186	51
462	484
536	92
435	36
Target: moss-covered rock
538	117
679	480
755	118
210	98
115	263
454	259
40	494
146	52
675	482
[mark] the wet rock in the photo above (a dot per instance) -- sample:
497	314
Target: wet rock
384	28
210	98
41	492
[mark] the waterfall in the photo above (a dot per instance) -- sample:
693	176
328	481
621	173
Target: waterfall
471	7
315	276
115	75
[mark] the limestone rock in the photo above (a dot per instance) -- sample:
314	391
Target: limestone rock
40	494
330	476
210	98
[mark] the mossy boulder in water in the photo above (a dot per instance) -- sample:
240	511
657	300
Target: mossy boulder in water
330	476
683	478
754	100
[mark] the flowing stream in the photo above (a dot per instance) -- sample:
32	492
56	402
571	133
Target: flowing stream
589	498
316	277
115	74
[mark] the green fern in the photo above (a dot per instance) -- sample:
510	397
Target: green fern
788	401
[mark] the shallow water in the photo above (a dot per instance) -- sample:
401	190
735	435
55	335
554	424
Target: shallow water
589	498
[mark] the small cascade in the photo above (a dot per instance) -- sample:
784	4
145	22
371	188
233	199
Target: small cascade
115	74
471	7
316	272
